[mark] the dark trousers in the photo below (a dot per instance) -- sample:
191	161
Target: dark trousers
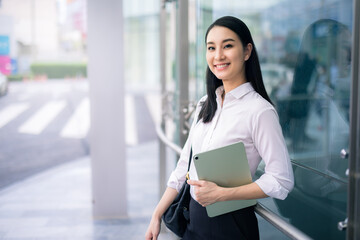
240	224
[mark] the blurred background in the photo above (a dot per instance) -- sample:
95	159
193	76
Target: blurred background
45	102
49	121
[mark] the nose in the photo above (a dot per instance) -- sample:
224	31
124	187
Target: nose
219	54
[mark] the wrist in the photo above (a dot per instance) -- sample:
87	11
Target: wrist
156	216
225	194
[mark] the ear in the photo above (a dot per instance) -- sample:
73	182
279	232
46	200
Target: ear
247	51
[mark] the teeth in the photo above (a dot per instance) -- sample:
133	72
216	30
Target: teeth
220	66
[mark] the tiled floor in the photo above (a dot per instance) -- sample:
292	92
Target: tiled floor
56	204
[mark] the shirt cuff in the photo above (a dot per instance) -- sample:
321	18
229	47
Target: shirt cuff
271	187
174	182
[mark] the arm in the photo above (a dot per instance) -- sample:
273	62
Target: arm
277	180
154	226
175	182
207	192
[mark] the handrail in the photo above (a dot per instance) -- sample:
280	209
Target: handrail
286	228
260	209
167	142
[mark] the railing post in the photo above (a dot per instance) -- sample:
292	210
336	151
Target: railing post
353	223
162	147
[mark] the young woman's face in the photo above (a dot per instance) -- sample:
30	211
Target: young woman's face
226	55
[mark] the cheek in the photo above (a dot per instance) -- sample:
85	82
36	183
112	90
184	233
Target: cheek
238	58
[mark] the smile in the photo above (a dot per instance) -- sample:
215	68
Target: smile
221	66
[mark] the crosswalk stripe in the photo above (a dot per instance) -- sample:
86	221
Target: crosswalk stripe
41	119
11	112
130	121
79	123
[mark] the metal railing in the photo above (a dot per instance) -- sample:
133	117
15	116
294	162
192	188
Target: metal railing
286	228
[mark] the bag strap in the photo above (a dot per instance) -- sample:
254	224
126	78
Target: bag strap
190	159
187	174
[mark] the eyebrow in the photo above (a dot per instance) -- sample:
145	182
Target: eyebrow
224	41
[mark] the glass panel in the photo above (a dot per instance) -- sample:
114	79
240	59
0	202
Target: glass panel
204	17
172	119
315	206
313	105
141	38
170	110
304	48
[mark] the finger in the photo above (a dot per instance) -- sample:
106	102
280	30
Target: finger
203	204
155	236
194	183
148	237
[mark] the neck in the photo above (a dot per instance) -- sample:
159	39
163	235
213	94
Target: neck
232	84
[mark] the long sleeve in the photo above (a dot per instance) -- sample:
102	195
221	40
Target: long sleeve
278	179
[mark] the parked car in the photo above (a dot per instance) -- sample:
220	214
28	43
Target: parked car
3	84
275	76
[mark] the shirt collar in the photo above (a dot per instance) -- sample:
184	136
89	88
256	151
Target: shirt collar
237	92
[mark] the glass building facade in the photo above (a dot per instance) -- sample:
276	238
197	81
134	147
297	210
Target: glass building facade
305	50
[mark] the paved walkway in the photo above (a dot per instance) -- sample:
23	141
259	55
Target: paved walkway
56	204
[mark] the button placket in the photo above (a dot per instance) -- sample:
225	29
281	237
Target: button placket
209	135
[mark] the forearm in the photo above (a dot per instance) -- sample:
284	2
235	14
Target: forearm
208	192
165	201
245	192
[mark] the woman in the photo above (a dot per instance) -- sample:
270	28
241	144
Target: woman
236	108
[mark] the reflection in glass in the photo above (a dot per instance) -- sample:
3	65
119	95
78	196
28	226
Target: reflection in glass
314	107
314	113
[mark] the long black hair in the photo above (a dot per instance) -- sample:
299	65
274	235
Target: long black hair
252	67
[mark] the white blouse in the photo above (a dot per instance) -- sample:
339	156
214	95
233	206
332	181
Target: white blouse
247	117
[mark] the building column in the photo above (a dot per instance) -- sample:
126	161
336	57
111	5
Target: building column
107	133
182	37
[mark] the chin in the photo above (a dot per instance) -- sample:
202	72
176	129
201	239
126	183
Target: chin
220	76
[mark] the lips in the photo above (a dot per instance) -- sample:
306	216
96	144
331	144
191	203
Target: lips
221	66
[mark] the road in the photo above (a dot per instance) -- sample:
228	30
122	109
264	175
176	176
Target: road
44	124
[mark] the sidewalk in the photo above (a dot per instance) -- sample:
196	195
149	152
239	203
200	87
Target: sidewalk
56	204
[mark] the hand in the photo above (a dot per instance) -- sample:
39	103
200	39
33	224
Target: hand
153	230
206	192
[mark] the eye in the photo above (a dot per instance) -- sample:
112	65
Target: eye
211	48
228	46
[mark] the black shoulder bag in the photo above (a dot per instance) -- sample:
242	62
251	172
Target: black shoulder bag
177	216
